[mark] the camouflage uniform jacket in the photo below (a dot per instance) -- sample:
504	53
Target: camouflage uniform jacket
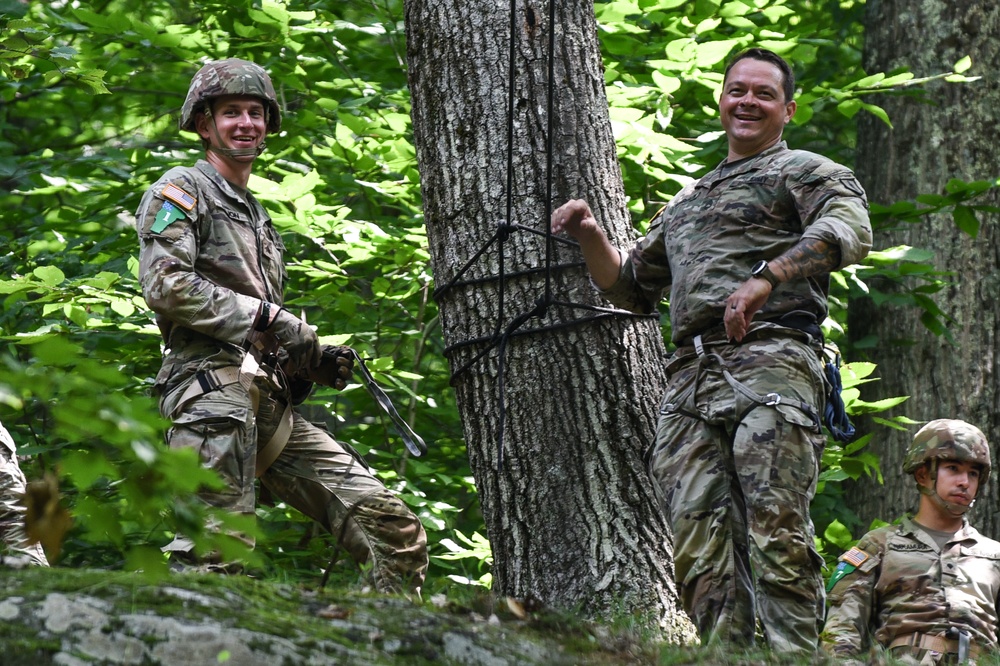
703	244
206	267
906	586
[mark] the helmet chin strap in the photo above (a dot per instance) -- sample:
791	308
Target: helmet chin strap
953	508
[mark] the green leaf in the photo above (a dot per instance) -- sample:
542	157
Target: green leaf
50	275
836	533
865	82
966	220
849	107
776	12
86	468
931	199
898	79
712	53
878	112
734	8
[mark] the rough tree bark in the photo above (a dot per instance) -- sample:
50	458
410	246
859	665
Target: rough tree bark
570	513
952	136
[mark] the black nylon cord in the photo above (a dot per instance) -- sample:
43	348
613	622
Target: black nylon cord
501	335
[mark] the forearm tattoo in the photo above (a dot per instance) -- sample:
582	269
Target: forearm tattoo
808	257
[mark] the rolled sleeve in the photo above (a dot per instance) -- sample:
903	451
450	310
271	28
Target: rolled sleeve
844	222
642	279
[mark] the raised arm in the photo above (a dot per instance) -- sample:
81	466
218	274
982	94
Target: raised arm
603	260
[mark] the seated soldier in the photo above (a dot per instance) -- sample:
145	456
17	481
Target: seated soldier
924	591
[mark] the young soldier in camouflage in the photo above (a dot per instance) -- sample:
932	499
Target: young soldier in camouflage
925	590
17	549
746	252
211	269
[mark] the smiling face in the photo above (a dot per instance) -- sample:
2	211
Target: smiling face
240	123
752	107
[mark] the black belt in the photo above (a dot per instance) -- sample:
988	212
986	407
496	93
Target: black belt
800	320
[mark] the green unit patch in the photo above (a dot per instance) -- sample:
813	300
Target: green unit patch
843	568
167	215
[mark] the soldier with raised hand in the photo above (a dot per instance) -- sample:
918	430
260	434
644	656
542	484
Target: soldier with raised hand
211	268
746	253
17	548
924	591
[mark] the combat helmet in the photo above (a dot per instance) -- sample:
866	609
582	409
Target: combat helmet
948	439
230	77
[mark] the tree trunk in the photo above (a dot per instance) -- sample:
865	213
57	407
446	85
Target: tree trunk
570	512
951	135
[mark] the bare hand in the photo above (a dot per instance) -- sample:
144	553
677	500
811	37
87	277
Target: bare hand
742	305
575	218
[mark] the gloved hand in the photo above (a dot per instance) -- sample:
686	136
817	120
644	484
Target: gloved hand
298	339
336	367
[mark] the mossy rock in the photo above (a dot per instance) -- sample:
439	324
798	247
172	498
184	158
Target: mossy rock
84	617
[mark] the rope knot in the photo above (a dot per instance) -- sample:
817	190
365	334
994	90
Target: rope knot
505	229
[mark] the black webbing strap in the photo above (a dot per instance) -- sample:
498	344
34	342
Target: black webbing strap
414	443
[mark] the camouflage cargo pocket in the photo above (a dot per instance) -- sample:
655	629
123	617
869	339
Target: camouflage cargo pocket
222	432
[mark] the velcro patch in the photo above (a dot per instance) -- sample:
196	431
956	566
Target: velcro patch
167	215
178	196
843	568
855	556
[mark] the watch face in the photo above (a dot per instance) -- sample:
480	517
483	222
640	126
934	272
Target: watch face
759	267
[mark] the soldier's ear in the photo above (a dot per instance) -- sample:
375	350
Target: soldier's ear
201	120
922	475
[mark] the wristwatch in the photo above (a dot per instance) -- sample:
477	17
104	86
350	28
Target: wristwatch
763	271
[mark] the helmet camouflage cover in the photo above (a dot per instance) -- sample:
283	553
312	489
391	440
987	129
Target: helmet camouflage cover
230	77
949	439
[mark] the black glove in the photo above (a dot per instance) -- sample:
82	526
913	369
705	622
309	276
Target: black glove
336	367
298	339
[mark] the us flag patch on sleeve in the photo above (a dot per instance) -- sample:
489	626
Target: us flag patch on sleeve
855	556
178	196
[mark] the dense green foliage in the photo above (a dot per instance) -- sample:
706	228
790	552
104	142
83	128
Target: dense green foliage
89	99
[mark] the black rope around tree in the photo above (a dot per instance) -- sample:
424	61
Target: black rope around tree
501	334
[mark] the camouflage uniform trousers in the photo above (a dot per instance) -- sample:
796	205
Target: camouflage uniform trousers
908	656
12	511
313	473
737	479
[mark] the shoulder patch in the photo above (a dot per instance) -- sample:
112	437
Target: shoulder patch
167	215
843	568
178	196
854	556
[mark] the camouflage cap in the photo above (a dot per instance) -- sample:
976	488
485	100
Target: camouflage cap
230	77
949	439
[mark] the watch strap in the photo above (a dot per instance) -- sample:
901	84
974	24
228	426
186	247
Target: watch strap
763	271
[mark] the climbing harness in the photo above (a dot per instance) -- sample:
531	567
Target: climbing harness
687	400
206	381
